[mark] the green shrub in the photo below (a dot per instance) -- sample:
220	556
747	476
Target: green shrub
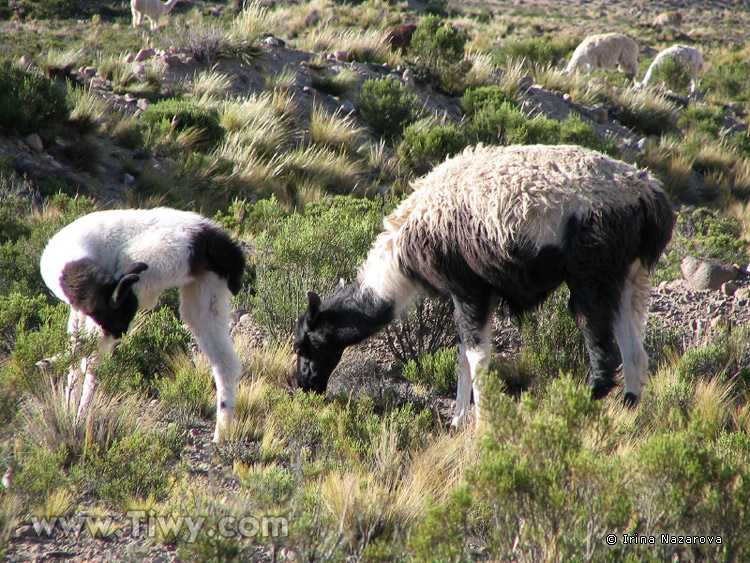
139	465
310	251
540	51
41	9
144	354
183	115
439	46
29	103
727	82
423	145
437	371
552	342
387	105
705	119
495	125
334	84
475	99
436	40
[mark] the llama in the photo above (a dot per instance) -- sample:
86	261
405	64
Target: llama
605	51
672	18
689	58
108	265
154	10
508	225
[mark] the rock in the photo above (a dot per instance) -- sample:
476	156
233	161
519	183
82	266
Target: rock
525	83
360	374
706	274
143	104
408	78
173	61
24	165
272	41
729	288
34	142
128	179
340	56
128	58
598	114
742	294
144	54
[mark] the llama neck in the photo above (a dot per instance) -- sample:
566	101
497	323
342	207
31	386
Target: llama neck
356	312
382	275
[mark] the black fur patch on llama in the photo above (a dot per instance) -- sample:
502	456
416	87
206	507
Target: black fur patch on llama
212	250
90	289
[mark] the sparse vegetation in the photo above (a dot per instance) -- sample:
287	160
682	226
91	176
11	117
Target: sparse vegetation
287	150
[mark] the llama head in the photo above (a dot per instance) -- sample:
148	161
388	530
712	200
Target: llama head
109	300
317	350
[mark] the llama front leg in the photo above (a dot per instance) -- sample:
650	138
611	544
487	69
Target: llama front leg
474	328
204	308
463	394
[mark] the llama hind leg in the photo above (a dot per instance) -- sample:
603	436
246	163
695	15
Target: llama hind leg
630	326
204	306
594	318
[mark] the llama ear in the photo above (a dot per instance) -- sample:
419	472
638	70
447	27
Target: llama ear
313	307
135	268
125	284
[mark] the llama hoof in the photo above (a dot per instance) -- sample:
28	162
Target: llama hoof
630	399
600	389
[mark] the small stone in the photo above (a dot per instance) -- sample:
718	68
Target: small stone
128	179
272	41
408	78
173	60
144	54
130	98
128	58
729	288
742	294
143	104
34	142
598	114
340	56
706	274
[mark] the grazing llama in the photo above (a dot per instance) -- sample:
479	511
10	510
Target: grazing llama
108	265
508	225
689	59
154	10
606	50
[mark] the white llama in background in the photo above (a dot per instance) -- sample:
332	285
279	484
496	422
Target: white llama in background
154	10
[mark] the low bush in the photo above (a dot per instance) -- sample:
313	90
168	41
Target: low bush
387	105
538	51
436	371
475	99
424	145
29	103
310	251
180	116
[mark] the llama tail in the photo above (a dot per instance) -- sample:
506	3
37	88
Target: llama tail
215	251
658	222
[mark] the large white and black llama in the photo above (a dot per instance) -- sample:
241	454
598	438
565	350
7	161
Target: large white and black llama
110	264
508	224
